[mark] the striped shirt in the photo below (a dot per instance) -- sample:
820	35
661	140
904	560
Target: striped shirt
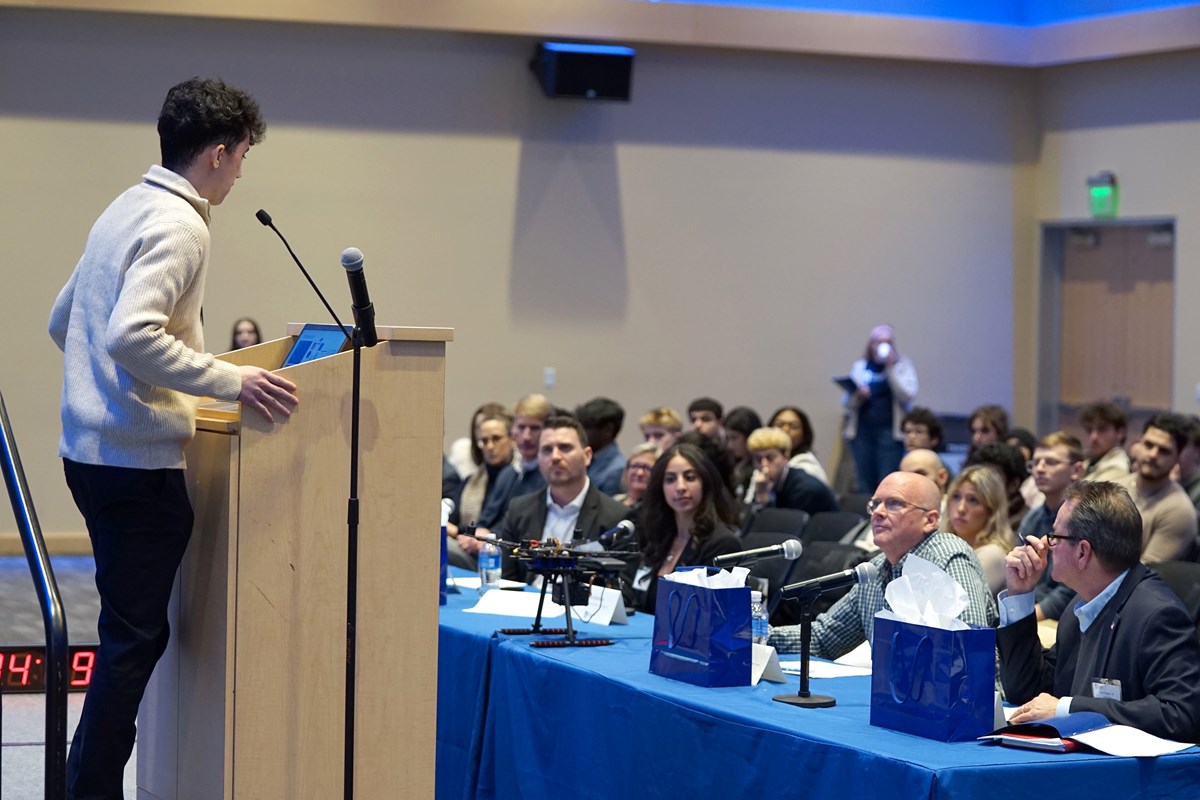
851	620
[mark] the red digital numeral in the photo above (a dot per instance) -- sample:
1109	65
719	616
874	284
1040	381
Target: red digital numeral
23	669
83	662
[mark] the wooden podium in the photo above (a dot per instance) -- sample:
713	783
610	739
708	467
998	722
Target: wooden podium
248	701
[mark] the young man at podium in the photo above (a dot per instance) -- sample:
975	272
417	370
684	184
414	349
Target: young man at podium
128	323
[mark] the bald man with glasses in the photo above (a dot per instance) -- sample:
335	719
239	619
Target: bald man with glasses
904	521
1126	648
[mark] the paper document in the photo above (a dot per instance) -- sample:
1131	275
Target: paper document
515	604
824	669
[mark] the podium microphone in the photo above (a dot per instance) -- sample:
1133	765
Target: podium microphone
265	219
789	549
839	580
360	298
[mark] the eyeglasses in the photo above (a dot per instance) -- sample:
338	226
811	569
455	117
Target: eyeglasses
490	441
789	426
633	466
1053	539
893	505
1051	463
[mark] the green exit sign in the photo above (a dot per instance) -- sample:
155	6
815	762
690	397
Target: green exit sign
1103	194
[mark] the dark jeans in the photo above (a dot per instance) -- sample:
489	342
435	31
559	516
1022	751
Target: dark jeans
876	455
139	522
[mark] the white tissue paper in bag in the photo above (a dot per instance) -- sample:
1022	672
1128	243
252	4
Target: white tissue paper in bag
725	579
926	595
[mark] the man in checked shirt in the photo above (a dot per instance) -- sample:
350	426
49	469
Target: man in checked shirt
904	520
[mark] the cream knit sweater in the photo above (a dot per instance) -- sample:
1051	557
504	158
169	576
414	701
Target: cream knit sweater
128	323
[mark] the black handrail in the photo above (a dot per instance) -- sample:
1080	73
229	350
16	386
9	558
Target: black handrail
53	615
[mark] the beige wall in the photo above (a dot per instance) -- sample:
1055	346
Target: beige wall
1139	118
735	230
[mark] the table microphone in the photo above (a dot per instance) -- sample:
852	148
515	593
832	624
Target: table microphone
809	589
789	549
265	219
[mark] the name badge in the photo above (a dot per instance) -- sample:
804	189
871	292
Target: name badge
1106	689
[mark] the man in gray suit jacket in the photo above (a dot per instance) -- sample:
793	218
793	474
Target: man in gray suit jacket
571	509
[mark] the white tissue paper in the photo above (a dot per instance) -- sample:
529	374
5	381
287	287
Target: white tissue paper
725	579
926	595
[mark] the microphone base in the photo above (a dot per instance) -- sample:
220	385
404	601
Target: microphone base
812	701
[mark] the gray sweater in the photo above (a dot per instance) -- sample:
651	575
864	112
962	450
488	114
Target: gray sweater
128	323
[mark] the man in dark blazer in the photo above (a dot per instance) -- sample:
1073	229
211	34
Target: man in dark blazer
571	509
775	484
1127	649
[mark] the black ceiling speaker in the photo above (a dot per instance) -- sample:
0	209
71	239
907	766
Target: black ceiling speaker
583	71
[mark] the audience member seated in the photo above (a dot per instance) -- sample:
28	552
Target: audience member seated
464	452
988	425
1057	463
794	422
1010	465
775	484
497	449
904	520
571	509
705	415
245	334
637	473
1189	462
1169	524
660	426
927	463
684	521
1127	648
529	415
739	423
922	430
716	451
450	479
602	419
1026	442
976	512
1104	442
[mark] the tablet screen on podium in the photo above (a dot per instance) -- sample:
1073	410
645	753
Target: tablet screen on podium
316	341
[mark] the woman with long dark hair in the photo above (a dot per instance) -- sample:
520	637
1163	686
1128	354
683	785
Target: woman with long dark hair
685	519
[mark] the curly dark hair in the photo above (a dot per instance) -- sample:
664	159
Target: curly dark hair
657	526
201	112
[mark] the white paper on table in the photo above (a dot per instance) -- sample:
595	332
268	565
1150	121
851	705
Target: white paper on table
858	657
472	582
605	607
515	604
824	669
765	665
1122	740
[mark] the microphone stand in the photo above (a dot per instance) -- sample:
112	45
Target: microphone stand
806	699
352	562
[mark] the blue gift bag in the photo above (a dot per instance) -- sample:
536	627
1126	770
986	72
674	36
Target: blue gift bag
931	682
444	589
702	636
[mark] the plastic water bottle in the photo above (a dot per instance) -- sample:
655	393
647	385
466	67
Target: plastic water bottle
489	564
760	628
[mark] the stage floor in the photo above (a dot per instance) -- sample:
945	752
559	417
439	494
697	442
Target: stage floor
23	739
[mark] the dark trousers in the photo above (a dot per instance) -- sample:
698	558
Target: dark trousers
139	522
876	455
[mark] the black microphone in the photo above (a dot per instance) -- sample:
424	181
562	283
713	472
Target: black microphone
360	299
619	535
789	549
807	590
265	219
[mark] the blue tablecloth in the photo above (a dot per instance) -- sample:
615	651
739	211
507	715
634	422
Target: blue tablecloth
518	722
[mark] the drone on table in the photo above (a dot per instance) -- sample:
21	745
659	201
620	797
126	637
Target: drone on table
570	573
